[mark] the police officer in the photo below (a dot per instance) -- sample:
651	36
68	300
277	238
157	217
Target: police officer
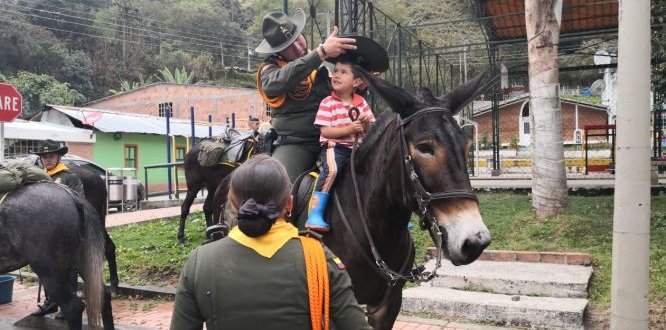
257	277
292	82
253	124
50	154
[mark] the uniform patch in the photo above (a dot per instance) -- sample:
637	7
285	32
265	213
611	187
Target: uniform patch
339	263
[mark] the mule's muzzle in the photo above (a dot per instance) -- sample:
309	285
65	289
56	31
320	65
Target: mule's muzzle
473	246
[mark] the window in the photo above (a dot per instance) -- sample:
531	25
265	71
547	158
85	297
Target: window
131	156
163	107
180	154
269	113
526	127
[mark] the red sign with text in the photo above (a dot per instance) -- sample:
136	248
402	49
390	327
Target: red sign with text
11	103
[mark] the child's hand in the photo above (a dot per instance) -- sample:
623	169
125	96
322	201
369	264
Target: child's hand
355	127
364	117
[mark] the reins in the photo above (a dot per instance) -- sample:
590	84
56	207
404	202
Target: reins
423	199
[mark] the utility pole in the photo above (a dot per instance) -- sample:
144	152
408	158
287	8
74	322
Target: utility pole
249	52
224	68
285	6
631	212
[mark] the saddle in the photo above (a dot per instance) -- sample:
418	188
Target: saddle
232	147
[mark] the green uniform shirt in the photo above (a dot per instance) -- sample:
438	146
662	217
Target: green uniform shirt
294	118
230	286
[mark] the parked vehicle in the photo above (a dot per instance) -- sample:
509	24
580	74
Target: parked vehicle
74	160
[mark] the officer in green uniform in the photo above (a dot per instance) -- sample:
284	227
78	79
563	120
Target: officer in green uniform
50	153
257	277
292	81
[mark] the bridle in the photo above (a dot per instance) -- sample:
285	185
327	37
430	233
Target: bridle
424	201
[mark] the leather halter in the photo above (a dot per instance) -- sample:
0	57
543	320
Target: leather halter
423	199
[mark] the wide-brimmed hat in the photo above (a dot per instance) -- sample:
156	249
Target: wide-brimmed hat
280	31
368	54
50	146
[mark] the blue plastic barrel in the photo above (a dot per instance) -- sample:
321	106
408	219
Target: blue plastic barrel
6	288
586	91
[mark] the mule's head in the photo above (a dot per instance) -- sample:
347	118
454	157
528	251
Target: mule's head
439	148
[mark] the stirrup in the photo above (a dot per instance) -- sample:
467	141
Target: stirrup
47	308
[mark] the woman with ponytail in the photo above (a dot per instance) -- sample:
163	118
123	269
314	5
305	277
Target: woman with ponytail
264	275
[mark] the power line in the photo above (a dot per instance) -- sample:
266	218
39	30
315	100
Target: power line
195	52
216	43
135	16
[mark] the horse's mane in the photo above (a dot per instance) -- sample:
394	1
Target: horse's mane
376	132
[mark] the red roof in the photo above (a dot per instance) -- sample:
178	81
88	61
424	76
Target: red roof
506	18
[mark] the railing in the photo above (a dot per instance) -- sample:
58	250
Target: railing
167	166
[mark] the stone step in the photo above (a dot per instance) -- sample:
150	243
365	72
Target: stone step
539	312
515	278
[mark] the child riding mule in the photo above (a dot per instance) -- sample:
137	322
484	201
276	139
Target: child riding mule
57	233
413	160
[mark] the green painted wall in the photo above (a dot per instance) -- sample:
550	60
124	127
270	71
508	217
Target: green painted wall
151	150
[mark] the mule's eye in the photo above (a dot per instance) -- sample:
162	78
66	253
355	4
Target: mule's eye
425	148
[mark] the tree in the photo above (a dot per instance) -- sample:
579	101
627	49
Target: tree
126	86
179	76
549	181
41	89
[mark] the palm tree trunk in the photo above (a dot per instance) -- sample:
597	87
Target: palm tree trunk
549	184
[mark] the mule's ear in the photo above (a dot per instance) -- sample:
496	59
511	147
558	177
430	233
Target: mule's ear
461	96
397	98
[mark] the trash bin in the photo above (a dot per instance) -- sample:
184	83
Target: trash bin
6	288
115	188
131	188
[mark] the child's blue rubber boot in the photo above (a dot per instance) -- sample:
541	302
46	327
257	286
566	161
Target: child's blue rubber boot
317	207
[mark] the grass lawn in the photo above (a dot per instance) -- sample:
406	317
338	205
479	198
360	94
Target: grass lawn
148	254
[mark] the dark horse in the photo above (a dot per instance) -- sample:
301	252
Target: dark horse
95	191
413	160
198	177
56	233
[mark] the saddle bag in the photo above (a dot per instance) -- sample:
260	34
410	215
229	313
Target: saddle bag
15	173
232	146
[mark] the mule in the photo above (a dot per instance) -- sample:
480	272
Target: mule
58	234
94	188
413	160
197	177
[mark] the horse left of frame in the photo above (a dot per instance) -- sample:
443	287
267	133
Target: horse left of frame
57	233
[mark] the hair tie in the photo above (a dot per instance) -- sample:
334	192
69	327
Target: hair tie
251	208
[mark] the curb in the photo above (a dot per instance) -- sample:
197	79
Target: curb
564	258
148	291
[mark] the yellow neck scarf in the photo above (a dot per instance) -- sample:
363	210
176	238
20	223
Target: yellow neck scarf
58	168
268	244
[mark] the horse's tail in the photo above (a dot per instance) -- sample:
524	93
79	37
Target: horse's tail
92	262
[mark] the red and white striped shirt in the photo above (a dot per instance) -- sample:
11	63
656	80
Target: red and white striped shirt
333	112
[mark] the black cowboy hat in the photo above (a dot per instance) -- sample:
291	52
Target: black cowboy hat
50	146
280	31
369	54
